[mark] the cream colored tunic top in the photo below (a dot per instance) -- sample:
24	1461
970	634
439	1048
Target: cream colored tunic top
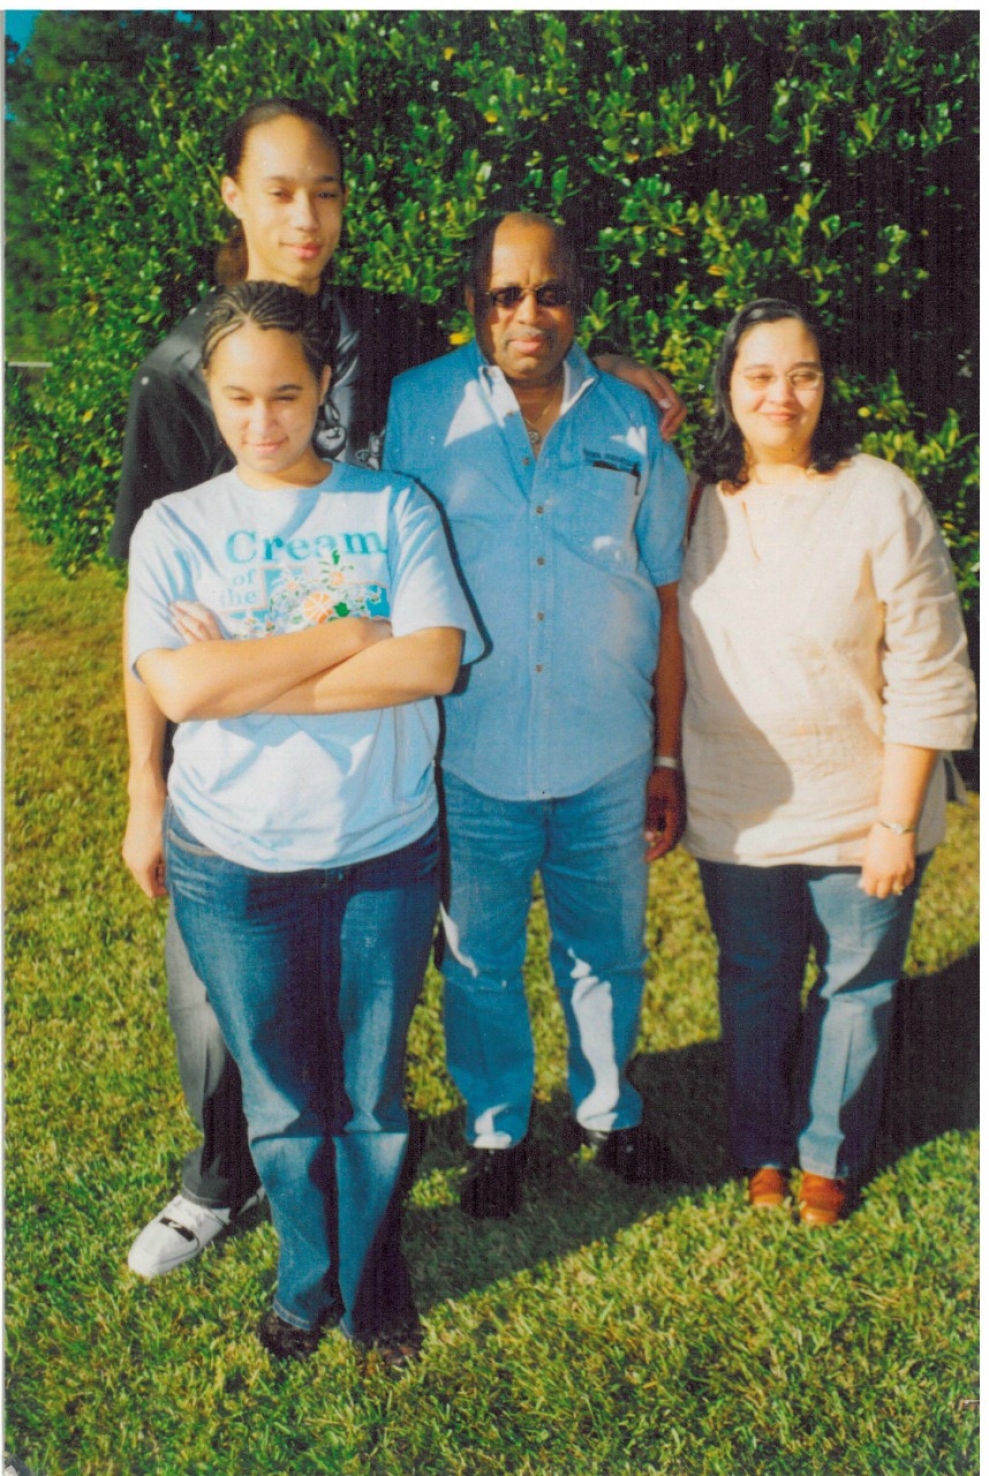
820	619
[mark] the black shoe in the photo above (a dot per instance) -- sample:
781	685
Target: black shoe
636	1156
282	1340
493	1187
395	1349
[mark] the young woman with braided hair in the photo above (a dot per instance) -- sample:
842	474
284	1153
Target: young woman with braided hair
296	619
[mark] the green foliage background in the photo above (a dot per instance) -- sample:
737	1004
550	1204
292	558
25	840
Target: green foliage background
120	43
705	158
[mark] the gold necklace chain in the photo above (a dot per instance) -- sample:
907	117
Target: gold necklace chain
536	437
532	427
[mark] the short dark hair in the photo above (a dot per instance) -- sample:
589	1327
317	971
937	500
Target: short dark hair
720	454
231	260
479	264
271	305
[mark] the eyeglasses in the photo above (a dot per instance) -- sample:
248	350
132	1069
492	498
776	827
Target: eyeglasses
550	295
797	379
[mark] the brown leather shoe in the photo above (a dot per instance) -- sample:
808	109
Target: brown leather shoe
822	1201
768	1188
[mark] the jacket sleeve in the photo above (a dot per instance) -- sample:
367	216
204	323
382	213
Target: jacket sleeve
169	444
393	450
393	334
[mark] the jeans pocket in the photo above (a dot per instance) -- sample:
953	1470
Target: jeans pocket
181	837
200	881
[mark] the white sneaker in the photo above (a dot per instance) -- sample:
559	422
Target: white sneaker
179	1233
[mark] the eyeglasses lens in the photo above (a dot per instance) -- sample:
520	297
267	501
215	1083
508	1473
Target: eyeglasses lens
798	379
551	295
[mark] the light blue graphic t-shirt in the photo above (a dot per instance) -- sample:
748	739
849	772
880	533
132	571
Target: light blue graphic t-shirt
283	793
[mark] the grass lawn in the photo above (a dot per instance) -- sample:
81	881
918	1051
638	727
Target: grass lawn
604	1332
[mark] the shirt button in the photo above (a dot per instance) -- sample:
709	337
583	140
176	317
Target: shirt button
540	562
539	668
526	460
540	616
539	511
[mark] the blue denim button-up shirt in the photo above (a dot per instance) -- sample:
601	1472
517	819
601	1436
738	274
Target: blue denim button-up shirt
561	555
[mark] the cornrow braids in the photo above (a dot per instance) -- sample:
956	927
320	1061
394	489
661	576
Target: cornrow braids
272	305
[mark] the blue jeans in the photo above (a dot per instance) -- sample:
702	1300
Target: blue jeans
590	853
805	1087
313	976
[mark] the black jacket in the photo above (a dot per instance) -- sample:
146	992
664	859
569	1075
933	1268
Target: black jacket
171	441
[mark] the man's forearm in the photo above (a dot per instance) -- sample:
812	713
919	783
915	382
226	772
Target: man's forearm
665	814
669	681
402	669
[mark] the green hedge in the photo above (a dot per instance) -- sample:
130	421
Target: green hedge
705	158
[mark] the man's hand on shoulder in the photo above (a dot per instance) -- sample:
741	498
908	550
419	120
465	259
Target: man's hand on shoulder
653	384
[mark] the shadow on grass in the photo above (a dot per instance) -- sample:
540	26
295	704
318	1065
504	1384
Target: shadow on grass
933	1077
569	1203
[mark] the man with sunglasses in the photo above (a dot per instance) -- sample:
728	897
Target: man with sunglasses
562	746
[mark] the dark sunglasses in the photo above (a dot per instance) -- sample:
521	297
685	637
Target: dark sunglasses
550	295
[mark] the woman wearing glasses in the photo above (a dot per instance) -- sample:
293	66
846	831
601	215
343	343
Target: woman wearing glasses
827	673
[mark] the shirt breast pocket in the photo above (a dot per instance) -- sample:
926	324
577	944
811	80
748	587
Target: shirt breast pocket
604	500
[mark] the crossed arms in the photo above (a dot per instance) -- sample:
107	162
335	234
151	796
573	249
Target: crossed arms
348	665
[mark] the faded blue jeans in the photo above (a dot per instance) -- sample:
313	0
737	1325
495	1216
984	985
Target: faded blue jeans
807	1086
313	976
590	853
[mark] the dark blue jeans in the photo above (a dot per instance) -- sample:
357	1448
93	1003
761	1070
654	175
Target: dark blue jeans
313	976
805	1085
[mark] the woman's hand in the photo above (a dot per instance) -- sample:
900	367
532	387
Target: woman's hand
143	849
194	622
889	864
